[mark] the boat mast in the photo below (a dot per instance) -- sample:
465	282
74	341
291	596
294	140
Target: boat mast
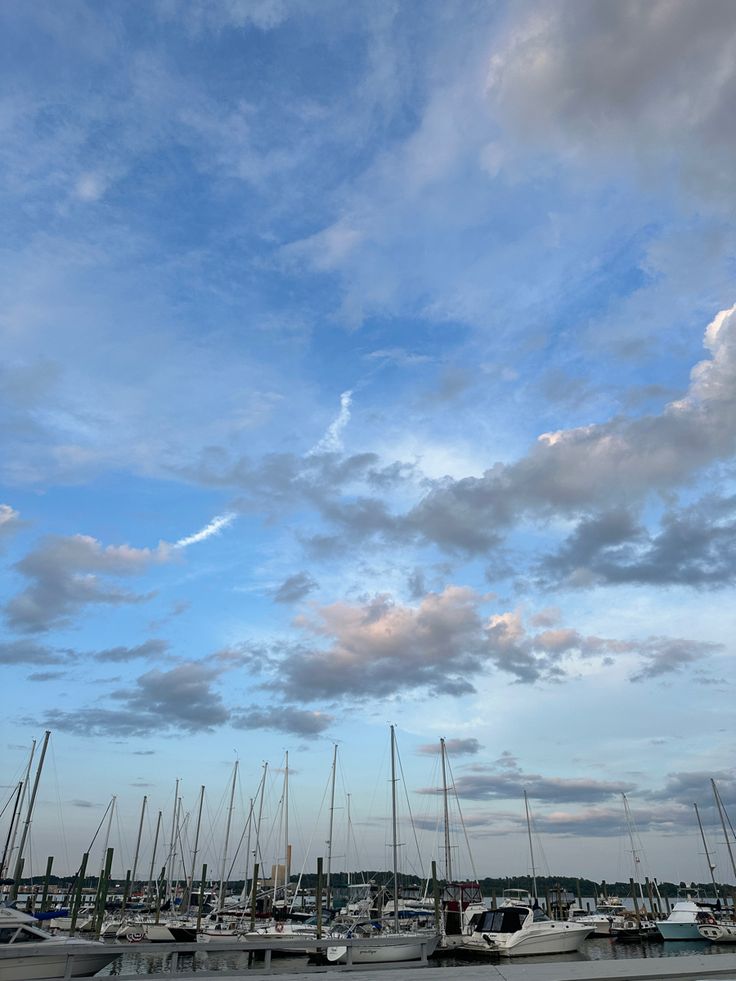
172	845
634	853
111	805
149	893
394	844
196	846
25	784
332	818
287	862
256	850
719	804
531	847
16	808
138	843
249	825
227	837
448	852
347	848
711	866
29	814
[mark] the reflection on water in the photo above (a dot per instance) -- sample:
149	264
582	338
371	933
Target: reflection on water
595	949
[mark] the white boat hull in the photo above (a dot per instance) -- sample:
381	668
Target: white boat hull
679	931
721	933
556	938
19	963
384	950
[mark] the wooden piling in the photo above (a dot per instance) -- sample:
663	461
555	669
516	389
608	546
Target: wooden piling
77	900
103	884
319	899
253	897
47	878
436	895
201	897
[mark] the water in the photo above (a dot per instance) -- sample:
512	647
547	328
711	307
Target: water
594	949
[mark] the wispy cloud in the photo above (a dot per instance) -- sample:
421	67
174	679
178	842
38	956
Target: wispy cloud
331	442
213	528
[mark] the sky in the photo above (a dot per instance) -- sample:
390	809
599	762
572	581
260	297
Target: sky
369	364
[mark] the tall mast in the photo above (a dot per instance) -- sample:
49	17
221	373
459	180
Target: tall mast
172	845
249	825
634	852
149	893
29	813
287	863
107	833
25	783
138	843
260	815
196	845
227	837
719	804
394	844
332	818
6	850
531	847
711	866
448	853
347	846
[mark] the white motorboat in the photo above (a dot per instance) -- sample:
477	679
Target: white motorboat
28	953
599	923
719	933
685	920
517	931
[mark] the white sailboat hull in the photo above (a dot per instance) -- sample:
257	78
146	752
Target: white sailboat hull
384	950
19	963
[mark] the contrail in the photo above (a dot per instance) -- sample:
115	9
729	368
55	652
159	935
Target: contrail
213	528
332	439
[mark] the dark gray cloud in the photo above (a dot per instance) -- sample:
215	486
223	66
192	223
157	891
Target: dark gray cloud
294	588
82	803
283	718
667	655
696	546
455	747
150	648
554	83
46	675
29	653
694	787
65	574
180	699
479	782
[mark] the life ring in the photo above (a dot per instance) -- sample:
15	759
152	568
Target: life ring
134	937
279	928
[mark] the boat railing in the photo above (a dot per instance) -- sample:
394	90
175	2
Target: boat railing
171	954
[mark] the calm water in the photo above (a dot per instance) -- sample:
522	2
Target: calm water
596	949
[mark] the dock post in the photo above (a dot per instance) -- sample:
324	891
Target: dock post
650	894
636	904
103	884
253	897
319	899
45	896
201	898
77	900
436	894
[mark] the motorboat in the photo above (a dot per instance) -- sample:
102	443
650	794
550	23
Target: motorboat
517	930
599	923
685	920
28	953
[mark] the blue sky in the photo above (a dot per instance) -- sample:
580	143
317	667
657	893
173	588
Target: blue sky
372	363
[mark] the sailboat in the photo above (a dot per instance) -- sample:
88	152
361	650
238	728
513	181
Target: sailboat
370	943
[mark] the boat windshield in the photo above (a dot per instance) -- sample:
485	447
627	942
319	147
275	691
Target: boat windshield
508	919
